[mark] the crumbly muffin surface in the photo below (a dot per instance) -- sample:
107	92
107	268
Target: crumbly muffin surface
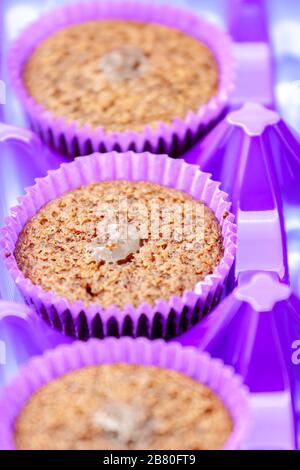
55	248
121	74
122	406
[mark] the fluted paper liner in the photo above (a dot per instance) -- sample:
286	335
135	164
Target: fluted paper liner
166	318
174	138
187	360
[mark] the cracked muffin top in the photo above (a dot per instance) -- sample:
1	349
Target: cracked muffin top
121	74
120	242
123	406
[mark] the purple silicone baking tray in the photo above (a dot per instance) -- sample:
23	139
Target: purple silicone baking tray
256	155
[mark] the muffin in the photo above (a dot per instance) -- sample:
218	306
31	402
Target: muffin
124	394
121	74
122	77
61	248
123	406
121	244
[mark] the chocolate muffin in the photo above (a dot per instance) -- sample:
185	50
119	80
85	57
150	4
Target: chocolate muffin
121	74
123	406
120	242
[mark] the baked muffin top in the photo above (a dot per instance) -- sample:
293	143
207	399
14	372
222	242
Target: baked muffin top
166	242
122	406
121	74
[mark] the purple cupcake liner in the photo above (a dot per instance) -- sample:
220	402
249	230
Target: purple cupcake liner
187	360
174	138
165	318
